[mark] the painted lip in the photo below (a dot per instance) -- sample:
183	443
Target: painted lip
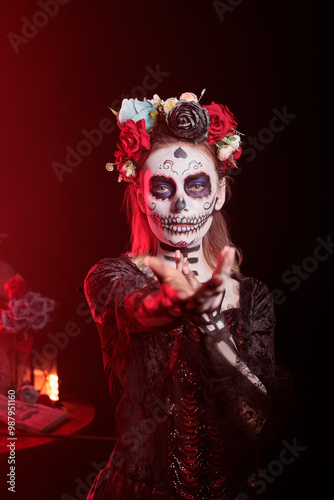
182	224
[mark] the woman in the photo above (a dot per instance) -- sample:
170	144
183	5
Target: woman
187	340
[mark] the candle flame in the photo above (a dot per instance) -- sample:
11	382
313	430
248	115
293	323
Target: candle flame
54	388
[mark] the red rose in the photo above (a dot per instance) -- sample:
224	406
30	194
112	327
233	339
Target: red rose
120	155
15	287
236	155
222	121
134	140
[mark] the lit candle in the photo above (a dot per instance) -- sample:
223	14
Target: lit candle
46	382
54	388
39	379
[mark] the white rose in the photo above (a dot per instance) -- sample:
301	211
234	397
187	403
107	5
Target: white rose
234	142
224	153
169	104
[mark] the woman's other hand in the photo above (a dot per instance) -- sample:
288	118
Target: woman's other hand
181	294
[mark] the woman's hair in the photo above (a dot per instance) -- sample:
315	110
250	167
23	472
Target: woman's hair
143	241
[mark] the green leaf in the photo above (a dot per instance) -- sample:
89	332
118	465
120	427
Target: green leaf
154	114
232	160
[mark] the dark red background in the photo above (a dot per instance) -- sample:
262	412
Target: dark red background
262	55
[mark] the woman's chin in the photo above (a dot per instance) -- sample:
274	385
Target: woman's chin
178	241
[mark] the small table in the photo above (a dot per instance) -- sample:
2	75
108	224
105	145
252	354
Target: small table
39	458
79	415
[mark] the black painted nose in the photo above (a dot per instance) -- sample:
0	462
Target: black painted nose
179	204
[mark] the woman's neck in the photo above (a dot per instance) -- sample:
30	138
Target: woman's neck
195	255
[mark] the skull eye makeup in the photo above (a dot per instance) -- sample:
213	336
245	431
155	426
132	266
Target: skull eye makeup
198	185
162	188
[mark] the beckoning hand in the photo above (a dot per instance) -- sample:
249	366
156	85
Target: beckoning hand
180	292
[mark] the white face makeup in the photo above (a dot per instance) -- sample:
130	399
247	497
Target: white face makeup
180	191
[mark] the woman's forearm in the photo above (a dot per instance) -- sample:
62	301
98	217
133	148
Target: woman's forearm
156	310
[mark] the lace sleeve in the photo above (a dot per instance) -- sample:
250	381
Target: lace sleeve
259	354
258	349
114	289
244	378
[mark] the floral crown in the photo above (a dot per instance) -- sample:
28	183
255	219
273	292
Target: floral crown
185	119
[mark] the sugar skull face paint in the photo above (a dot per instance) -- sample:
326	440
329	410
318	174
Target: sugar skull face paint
179	193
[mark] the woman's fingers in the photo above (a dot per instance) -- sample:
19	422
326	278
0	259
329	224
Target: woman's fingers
176	285
179	260
204	296
158	267
209	290
184	289
191	278
182	265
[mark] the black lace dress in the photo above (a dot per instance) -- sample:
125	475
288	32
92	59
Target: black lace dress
195	402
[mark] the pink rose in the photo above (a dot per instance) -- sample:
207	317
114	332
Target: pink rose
39	322
37	305
224	153
19	307
232	145
7	320
188	96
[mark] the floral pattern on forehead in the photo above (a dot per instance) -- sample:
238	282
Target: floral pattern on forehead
185	118
179	161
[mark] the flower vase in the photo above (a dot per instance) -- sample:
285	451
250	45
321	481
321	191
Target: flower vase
21	359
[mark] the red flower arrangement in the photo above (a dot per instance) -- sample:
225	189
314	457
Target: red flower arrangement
134	141
185	118
23	310
222	122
